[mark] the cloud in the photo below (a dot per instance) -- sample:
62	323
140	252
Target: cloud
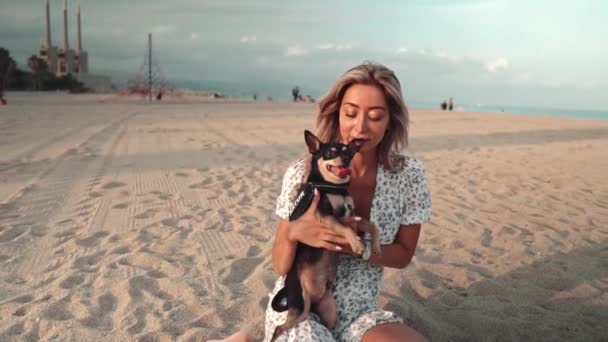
248	39
334	47
162	29
496	64
325	46
296	50
448	61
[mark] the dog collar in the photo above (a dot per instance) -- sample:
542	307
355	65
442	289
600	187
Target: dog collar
328	188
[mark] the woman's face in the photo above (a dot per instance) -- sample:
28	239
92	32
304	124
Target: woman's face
364	115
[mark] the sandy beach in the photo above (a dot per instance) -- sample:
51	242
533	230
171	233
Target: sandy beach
127	221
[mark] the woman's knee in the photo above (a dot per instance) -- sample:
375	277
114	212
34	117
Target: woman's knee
393	332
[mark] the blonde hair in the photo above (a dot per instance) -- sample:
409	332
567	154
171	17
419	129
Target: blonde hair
396	136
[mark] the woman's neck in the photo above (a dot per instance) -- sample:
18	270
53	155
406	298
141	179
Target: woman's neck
364	163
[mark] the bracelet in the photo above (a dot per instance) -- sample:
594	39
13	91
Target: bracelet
367	251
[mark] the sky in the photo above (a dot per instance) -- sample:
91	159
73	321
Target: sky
521	52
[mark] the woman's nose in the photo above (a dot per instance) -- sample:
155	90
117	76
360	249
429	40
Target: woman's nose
361	124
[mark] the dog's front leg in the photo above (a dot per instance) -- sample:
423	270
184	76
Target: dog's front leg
345	231
372	230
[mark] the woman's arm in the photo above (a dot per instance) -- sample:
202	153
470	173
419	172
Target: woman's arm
399	254
283	250
306	229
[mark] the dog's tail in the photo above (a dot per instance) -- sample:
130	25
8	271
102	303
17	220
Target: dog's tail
294	316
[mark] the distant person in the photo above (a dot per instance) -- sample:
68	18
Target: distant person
295	92
450	104
444	105
159	96
3	101
255	97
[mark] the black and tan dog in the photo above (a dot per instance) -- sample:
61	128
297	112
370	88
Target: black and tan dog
309	282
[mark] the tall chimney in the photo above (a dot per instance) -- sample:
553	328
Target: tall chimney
66	44
79	36
48	25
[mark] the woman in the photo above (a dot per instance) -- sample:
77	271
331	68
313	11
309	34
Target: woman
389	191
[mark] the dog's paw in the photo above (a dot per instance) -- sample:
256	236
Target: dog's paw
357	247
376	249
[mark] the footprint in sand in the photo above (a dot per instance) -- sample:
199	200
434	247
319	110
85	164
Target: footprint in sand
241	269
140	323
22	299
113	185
120	250
64	222
202	184
182	174
429	280
146	214
64	236
72	281
99	317
95	194
14	330
249	232
92	240
22	311
140	284
122	205
156	274
58	311
86	263
486	238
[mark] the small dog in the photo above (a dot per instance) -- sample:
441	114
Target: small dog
309	282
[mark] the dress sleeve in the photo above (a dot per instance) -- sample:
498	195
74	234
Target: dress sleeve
292	180
416	199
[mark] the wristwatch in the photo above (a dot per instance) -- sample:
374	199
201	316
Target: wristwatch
367	251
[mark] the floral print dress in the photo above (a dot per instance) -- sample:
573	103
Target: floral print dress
400	198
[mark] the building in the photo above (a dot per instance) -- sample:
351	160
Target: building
65	60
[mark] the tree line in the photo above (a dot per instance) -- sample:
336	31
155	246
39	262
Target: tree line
37	78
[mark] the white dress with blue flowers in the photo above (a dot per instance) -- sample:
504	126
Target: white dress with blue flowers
400	198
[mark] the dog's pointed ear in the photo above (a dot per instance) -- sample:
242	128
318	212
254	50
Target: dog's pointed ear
355	145
312	141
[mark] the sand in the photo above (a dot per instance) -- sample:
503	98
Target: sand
127	221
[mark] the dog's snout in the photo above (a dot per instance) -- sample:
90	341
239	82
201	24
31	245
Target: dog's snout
345	160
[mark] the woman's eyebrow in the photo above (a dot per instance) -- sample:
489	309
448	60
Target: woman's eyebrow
370	108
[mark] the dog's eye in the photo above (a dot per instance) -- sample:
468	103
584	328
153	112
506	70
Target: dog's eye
330	154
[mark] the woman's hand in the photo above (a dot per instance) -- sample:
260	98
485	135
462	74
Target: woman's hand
308	230
352	222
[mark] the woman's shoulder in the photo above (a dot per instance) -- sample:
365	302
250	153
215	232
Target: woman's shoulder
404	165
297	166
297	170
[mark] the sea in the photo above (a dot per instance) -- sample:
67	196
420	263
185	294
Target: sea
281	91
523	110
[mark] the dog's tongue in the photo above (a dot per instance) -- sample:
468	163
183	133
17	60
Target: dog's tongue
343	171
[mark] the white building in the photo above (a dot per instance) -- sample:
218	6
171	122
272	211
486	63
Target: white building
65	60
